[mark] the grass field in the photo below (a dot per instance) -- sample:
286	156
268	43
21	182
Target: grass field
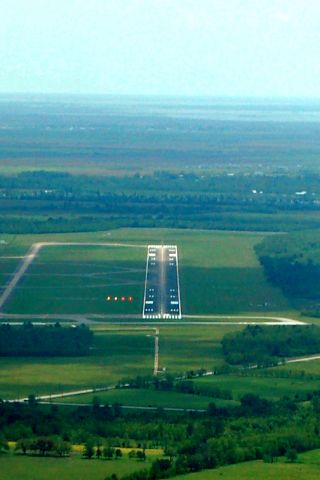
306	468
119	352
18	467
266	387
259	471
125	352
150	398
310	368
114	356
75	279
219	273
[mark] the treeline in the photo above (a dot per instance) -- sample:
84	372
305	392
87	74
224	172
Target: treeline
53	445
54	222
31	340
256	429
40	202
292	262
182	383
266	346
50	182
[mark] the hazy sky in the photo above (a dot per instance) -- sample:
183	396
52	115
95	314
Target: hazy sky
186	47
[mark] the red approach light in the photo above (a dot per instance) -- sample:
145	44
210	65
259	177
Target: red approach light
130	299
123	299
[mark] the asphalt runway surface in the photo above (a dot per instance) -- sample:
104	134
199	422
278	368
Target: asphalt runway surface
162	291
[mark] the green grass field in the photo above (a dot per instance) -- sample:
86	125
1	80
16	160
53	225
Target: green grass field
310	368
258	471
149	398
219	273
266	387
114	356
75	279
18	467
306	468
119	352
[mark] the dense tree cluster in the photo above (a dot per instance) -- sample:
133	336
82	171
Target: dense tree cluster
60	202
43	446
292	262
261	345
256	429
31	340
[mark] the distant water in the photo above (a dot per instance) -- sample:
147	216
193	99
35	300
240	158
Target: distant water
215	109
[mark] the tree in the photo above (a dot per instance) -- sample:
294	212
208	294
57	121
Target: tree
181	465
43	445
170	452
23	445
159	467
3	444
88	449
118	453
62	448
98	452
108	452
291	455
141	455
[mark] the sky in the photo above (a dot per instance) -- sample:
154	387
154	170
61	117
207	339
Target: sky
268	48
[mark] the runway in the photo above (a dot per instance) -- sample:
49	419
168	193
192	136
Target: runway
162	290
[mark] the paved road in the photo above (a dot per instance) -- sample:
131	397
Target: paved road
162	291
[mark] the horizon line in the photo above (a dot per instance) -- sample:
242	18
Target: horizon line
162	95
